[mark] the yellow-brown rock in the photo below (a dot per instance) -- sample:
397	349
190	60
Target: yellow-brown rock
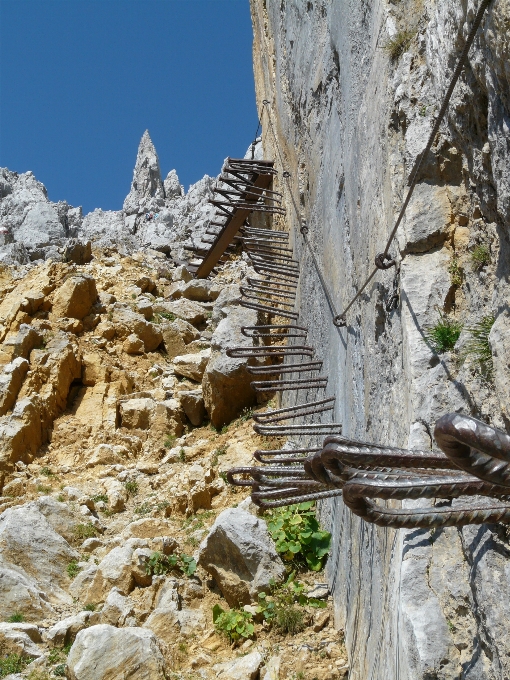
75	297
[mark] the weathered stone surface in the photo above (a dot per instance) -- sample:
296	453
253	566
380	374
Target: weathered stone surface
108	653
148	527
79	252
75	297
19	344
146	182
133	345
190	311
499	339
192	365
201	290
245	668
114	570
226	383
176	335
127	322
63	632
20	639
240	555
116	609
192	402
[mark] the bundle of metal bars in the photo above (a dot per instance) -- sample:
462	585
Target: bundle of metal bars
241	189
475	462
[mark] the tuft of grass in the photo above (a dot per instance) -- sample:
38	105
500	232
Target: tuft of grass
443	336
131	488
99	497
399	44
44	489
13	663
73	569
16	618
89	607
169	441
182	455
83	531
143	509
61	498
290	620
477	349
220	451
455	271
480	256
47	472
246	414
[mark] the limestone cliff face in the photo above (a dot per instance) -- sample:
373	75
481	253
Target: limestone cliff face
347	121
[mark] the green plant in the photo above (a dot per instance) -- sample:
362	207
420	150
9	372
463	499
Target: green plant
182	455
89	607
100	497
46	472
298	536
158	564
133	296
58	655
399	43
455	271
61	498
234	623
281	605
131	488
83	531
12	663
220	451
443	335
477	349
169	441
168	315
143	509
246	414
44	489
480	256
16	618
60	671
73	569
422	110
38	674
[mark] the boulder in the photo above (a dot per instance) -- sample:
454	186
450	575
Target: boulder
240	555
20	639
190	311
11	380
166	622
226	384
201	290
75	297
59	515
117	608
244	668
79	252
133	345
162	417
144	307
63	632
176	335
19	344
117	495
114	570
30	546
192	402
94	369
128	322
136	413
181	273
148	527
192	365
105	454
20	593
230	295
104	652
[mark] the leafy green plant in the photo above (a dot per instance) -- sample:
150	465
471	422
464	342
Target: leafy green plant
17	617
168	315
143	509
90	607
444	334
477	349
100	497
246	414
44	489
234	623
158	564
480	256
455	271
169	441
131	488
422	110
399	43
281	605
220	451
182	455
83	531
60	670
12	663
298	536
46	472
61	498
73	569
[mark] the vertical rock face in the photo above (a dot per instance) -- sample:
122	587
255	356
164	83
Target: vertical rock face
347	120
147	183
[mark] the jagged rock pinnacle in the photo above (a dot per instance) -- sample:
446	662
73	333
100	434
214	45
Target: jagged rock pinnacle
147	183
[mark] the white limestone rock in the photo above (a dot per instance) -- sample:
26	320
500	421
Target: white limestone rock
146	182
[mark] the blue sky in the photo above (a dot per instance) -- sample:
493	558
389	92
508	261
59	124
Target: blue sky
80	81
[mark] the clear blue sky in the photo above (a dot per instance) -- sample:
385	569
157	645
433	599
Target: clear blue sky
80	81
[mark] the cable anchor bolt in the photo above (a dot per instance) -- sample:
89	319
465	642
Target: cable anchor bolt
384	261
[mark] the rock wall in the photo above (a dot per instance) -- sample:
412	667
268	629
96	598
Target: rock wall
347	116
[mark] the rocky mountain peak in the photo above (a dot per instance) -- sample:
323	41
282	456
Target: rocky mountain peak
147	183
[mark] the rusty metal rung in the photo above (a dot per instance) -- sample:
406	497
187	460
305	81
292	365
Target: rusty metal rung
298	430
277	369
285	314
270	351
283	456
258	297
298	411
285	331
256	290
287	385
